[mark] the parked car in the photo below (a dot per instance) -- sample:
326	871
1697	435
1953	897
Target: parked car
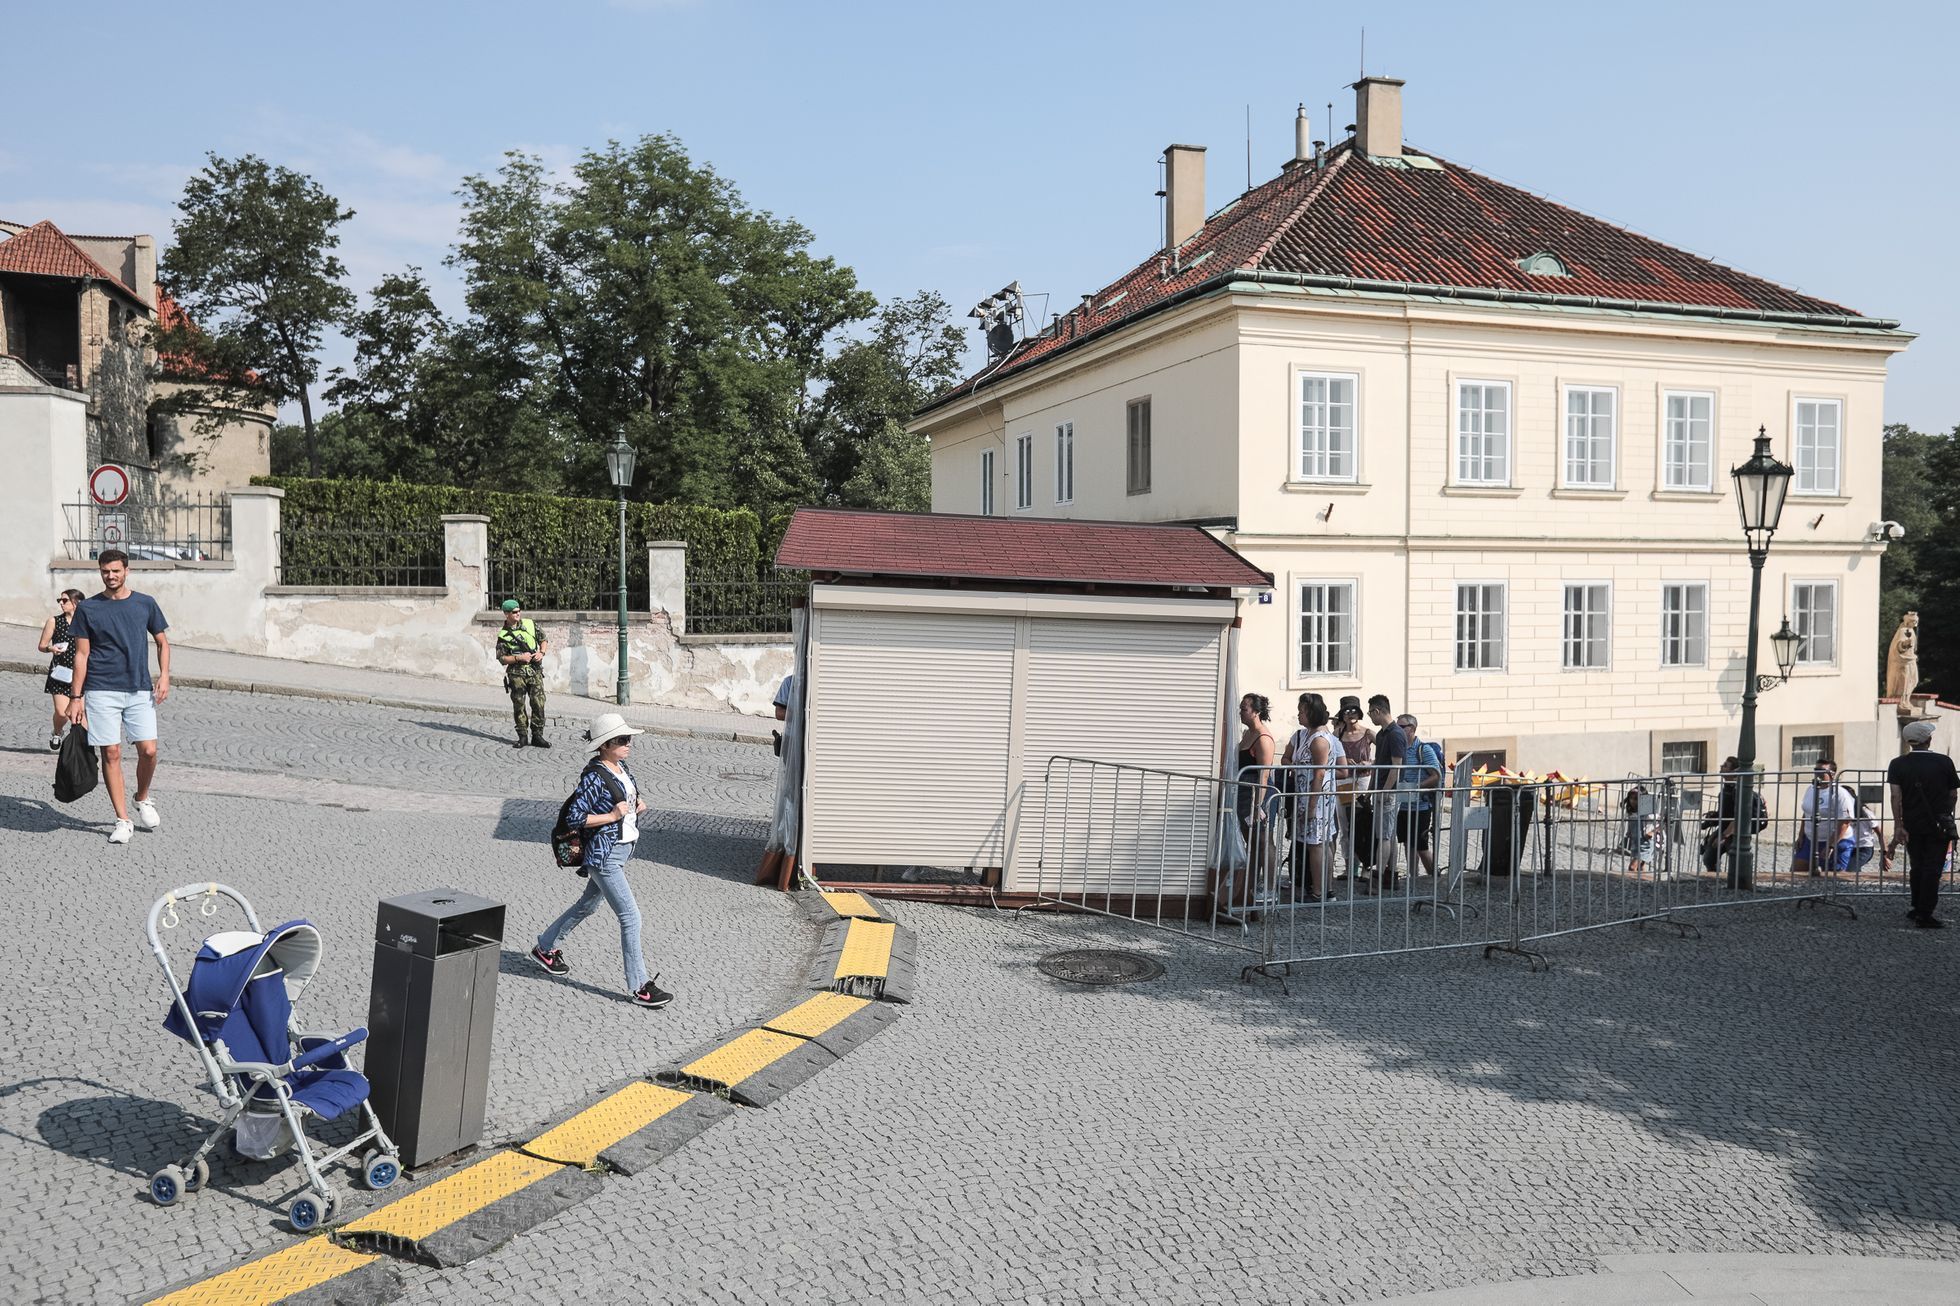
141	552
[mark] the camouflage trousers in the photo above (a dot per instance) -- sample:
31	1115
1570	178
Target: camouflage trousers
526	686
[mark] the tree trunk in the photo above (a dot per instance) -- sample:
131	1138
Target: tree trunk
306	420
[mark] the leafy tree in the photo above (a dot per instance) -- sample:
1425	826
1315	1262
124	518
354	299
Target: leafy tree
1922	571
645	299
454	411
252	263
874	387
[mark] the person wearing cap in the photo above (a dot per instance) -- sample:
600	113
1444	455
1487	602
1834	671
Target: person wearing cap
1924	786
520	647
607	806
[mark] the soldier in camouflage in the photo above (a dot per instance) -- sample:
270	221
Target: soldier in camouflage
520	647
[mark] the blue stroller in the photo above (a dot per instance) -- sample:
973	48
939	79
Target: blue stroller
237	1011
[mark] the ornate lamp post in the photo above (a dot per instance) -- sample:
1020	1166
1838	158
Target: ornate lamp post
1786	644
1760	487
619	464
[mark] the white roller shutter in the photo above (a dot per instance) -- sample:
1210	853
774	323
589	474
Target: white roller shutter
1144	694
909	715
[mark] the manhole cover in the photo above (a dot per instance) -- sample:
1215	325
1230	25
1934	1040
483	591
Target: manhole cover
1099	966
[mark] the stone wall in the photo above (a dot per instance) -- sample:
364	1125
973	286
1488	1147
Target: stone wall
442	632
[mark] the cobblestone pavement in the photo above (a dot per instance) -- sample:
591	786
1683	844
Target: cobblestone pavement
319	810
1783	1084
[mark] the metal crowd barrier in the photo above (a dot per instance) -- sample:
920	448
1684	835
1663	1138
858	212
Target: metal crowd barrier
1302	864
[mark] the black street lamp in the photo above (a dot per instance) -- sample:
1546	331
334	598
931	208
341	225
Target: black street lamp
1760	487
619	464
1786	643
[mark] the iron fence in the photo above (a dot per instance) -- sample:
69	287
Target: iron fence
741	601
1306	863
366	552
582	583
193	528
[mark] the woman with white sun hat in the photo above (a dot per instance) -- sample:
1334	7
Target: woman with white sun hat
606	809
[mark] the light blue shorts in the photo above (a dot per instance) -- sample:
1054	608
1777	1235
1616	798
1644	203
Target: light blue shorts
113	714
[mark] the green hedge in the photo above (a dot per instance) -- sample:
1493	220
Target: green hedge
329	527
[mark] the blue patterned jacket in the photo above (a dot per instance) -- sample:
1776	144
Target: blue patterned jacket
598	791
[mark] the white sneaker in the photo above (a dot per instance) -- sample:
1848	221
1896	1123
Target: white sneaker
146	814
121	833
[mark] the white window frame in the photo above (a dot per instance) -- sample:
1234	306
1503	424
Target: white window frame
1137	453
1835	487
1566	437
1598	626
1689	639
1668	482
1298	615
1331	461
1461	456
986	482
1064	462
1802	618
1485	638
1024	471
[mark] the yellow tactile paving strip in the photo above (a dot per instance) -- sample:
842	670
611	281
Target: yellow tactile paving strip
446	1201
849	903
272	1278
579	1140
736	1060
817	1015
867	949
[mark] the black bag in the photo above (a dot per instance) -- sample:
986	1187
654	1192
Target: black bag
75	771
568	842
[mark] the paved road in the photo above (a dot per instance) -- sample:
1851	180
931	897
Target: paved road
320	810
1783	1085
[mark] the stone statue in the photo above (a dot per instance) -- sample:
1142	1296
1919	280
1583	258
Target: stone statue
1902	663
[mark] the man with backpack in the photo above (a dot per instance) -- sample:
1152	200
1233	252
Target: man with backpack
1421	782
1924	786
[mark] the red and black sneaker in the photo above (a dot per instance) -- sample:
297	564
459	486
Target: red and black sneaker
553	961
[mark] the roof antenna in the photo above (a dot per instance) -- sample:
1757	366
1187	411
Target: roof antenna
1248	147
1364	53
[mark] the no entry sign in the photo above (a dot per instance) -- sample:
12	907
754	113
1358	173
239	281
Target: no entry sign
108	485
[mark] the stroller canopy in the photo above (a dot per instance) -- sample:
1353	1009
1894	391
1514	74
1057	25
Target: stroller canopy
243	986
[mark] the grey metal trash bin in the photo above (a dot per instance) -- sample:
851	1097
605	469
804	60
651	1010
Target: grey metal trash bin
430	1011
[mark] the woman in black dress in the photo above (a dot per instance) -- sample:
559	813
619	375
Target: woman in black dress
61	666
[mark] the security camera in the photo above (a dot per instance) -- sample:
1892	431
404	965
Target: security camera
1888	530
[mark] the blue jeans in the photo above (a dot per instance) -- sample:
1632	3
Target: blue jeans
606	878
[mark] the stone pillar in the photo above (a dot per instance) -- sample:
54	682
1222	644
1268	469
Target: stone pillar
667	581
43	446
466	559
255	516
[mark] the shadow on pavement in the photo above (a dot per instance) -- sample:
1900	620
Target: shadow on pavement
33	817
450	727
1821	1043
725	847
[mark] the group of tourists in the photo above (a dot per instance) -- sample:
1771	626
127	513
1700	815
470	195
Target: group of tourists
1346	791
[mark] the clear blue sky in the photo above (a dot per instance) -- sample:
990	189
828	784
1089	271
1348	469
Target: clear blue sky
960	147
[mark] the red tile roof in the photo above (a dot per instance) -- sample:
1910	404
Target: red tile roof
944	545
1392	226
43	251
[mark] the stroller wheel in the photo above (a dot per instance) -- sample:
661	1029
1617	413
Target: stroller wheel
309	1211
380	1169
167	1185
199	1176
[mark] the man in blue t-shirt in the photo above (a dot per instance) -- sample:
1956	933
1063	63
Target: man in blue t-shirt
112	688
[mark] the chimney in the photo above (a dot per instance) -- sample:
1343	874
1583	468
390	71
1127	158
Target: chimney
1378	117
146	270
1184	193
1302	137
